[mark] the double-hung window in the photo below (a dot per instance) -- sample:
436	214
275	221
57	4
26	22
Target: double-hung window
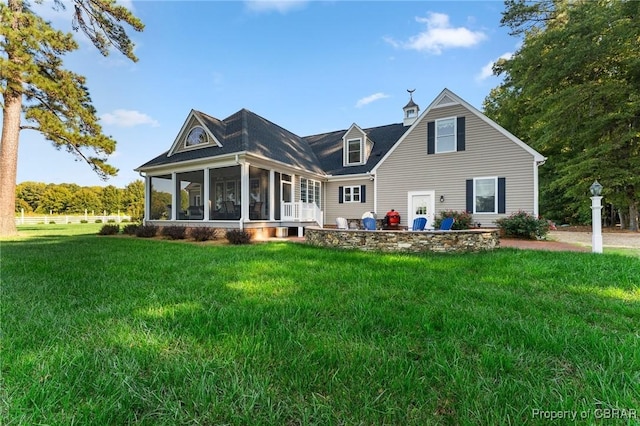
485	195
352	194
309	191
354	151
446	135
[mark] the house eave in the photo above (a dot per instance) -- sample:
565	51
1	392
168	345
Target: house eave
196	161
342	178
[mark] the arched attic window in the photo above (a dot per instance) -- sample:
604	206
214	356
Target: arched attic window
196	136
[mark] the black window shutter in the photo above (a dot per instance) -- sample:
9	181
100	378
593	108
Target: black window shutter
431	137
363	193
341	194
502	198
460	143
470	195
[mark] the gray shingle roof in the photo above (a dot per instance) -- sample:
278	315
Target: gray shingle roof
329	148
246	131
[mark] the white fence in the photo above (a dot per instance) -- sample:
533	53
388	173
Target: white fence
57	219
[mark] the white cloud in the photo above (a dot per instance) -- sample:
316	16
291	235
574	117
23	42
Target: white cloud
487	70
128	118
280	6
439	35
369	99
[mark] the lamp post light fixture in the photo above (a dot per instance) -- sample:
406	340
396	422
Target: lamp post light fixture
596	217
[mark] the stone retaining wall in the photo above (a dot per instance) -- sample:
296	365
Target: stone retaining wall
470	240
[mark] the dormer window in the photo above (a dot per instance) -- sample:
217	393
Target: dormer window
196	136
354	151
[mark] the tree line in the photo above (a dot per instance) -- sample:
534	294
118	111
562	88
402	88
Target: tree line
70	198
572	91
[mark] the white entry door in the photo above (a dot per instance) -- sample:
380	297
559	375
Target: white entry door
421	204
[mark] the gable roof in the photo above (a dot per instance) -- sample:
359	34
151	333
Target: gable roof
244	131
329	148
448	98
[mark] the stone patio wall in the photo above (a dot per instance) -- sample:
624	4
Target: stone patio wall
471	240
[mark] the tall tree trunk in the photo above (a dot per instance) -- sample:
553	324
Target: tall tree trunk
624	218
9	162
633	216
12	98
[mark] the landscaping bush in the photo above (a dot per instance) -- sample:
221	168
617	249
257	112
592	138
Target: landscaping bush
202	233
98	221
109	229
238	236
462	219
175	232
130	229
51	222
146	231
84	221
523	225
111	221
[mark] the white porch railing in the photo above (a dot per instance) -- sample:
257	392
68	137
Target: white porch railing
301	211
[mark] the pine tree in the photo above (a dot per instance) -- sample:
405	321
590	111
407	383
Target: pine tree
54	101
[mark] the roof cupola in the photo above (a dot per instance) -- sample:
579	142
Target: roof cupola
411	110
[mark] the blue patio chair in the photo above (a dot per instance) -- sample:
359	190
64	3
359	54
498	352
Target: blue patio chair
369	223
446	223
419	224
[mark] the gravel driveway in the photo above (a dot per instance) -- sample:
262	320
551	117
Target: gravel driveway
609	239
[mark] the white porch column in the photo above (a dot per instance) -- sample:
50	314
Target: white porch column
206	202
244	196
174	197
147	200
272	194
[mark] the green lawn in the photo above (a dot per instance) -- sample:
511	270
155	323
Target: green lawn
123	330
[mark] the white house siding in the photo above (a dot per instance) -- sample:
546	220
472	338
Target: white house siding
346	210
488	153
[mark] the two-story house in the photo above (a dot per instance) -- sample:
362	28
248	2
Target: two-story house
247	172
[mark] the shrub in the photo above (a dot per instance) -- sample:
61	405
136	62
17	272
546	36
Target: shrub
111	221
238	236
125	220
51	222
462	219
84	221
130	229
175	232
523	225
109	230
146	231
202	233
98	220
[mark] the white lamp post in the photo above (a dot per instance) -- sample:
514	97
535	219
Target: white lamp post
596	219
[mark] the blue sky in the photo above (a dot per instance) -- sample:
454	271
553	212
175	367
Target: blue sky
308	66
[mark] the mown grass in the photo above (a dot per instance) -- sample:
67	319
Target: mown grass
103	330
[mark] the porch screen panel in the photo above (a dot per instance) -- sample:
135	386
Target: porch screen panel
190	187
225	191
259	196
160	202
